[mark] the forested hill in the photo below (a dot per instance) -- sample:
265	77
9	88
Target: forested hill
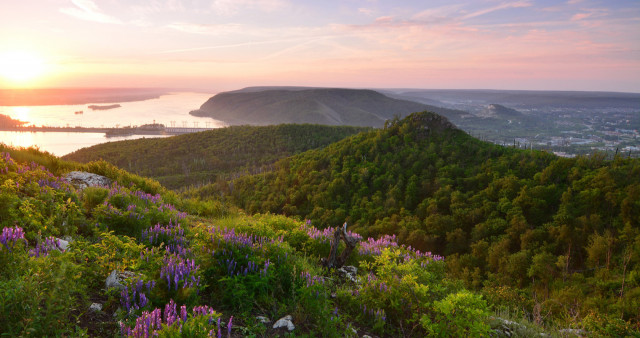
328	106
204	157
564	229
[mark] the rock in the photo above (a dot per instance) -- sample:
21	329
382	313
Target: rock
366	336
95	307
349	272
62	244
263	319
508	328
116	278
285	322
81	180
575	332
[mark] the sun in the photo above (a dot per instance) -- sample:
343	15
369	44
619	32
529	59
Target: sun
21	67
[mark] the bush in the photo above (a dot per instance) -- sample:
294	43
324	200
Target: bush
458	314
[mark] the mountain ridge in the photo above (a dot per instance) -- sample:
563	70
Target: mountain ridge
330	106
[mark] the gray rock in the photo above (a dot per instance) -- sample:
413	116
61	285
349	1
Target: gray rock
63	244
349	272
116	279
575	332
81	180
263	319
285	322
95	307
508	328
366	336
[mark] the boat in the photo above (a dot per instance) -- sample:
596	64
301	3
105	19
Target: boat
79	112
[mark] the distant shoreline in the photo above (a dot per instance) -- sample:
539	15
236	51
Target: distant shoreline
76	96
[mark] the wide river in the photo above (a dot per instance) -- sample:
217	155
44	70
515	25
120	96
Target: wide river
170	109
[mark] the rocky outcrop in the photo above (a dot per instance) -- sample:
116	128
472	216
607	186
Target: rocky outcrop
95	307
116	279
349	272
81	180
285	322
263	319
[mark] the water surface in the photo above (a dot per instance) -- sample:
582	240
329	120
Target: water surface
171	110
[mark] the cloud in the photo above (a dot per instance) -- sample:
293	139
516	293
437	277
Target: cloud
233	45
574	2
581	16
366	11
517	4
205	29
231	7
437	13
590	13
88	10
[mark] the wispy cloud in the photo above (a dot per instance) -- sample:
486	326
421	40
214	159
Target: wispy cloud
88	10
366	11
205	29
590	13
231	7
233	45
438	12
516	4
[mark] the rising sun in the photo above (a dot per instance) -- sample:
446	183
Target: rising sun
21	68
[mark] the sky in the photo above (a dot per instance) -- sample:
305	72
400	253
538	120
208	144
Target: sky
217	45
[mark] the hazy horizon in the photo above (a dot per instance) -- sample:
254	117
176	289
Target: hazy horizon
219	45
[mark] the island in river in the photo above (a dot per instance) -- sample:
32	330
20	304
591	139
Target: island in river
104	107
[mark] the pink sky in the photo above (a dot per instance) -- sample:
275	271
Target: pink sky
226	44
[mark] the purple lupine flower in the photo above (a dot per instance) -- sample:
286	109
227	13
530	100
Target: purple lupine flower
176	269
183	313
43	248
170	314
10	237
229	326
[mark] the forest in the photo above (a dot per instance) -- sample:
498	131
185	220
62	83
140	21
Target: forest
201	158
455	237
555	238
190	268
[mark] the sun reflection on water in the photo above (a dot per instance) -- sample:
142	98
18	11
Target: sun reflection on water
21	113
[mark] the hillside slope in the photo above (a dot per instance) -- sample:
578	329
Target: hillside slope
171	274
505	218
329	106
204	157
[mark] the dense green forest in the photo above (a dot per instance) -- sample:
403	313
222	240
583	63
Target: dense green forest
552	237
457	237
196	159
183	275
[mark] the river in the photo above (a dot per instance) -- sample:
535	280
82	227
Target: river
170	109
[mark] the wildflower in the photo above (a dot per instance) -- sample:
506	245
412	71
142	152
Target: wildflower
10	237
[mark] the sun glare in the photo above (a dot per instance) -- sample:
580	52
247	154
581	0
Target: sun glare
20	68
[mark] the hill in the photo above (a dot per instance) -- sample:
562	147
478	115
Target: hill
328	106
544	244
199	158
130	259
509	221
499	111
